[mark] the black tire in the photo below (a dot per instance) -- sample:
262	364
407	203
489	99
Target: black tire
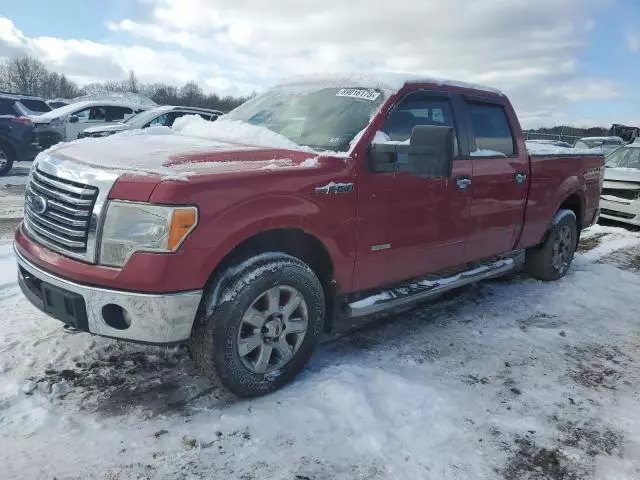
216	332
6	159
541	261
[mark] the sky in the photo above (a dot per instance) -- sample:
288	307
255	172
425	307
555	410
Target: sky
560	61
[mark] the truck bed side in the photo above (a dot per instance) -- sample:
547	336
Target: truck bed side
561	181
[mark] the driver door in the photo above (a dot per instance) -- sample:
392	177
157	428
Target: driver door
410	226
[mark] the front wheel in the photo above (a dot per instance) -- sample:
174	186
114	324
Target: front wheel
261	329
551	259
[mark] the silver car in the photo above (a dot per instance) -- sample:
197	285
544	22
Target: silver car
620	199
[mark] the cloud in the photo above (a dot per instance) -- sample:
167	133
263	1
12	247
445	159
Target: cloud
520	46
633	41
530	50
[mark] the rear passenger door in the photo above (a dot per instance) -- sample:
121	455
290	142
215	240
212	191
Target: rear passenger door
500	179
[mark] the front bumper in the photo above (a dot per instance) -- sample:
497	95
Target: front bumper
139	317
626	212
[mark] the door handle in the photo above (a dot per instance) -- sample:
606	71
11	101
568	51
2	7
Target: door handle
462	182
520	177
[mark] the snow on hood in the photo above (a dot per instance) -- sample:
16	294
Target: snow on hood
235	132
178	154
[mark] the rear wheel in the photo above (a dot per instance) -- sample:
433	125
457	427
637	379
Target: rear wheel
264	328
6	159
551	260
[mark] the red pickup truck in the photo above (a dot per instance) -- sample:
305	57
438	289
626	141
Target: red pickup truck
319	200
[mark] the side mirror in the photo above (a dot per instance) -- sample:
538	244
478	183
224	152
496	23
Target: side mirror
73	119
428	154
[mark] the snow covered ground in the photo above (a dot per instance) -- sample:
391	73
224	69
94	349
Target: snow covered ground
510	379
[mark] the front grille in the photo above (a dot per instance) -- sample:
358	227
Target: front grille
621	193
613	213
58	211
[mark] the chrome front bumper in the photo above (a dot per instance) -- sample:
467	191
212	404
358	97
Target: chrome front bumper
150	318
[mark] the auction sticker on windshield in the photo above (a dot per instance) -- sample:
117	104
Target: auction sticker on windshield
370	95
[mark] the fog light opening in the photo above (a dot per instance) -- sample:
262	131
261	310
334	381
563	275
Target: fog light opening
116	317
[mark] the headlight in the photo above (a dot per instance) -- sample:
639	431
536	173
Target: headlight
140	227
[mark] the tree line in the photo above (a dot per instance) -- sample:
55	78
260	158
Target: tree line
28	75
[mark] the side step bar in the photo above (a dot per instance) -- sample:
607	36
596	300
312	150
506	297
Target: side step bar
426	289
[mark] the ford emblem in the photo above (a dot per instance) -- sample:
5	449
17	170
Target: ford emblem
39	204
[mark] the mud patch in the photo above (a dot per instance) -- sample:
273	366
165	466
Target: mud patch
597	366
532	462
626	259
121	379
539	320
591	242
591	440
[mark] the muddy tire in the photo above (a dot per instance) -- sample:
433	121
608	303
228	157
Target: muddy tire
551	260
6	159
259	328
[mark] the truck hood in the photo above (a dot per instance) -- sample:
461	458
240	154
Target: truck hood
116	127
159	151
622	174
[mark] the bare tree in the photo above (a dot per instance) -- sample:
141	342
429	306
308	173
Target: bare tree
25	75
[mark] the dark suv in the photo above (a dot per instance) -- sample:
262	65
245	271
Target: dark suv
18	140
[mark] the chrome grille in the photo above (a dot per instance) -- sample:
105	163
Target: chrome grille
58	211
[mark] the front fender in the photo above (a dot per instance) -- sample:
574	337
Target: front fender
329	219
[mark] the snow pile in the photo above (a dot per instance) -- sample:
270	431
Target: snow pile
166	151
235	132
134	100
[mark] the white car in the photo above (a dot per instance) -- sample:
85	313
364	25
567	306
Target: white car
65	123
620	199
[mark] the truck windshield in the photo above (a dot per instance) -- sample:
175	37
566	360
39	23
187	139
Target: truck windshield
323	118
625	157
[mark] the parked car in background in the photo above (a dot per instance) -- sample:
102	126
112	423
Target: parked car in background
620	199
553	143
17	141
65	123
160	116
607	144
18	105
391	191
57	104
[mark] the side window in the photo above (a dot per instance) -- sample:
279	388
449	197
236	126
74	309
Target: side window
116	114
417	110
159	121
175	115
6	108
83	115
98	114
491	129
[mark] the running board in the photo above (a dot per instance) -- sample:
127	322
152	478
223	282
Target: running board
426	289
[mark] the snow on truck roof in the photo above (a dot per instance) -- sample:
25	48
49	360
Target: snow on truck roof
388	81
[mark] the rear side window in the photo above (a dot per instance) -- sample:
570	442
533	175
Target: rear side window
6	108
37	106
491	130
114	114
